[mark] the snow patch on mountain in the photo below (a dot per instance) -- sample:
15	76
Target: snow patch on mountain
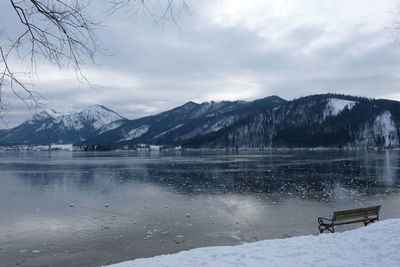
334	106
97	116
135	133
111	126
207	107
220	124
71	121
167	131
52	113
100	115
384	126
44	115
88	119
210	127
44	126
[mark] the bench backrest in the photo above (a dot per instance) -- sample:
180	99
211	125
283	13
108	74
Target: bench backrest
356	213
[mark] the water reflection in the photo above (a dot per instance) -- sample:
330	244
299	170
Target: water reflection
389	168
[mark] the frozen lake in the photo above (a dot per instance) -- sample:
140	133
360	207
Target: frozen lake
88	209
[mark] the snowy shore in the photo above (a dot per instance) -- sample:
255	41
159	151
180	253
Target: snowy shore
375	245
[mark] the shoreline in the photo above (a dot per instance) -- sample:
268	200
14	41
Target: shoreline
375	244
71	148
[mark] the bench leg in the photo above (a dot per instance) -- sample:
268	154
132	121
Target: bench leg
369	221
322	228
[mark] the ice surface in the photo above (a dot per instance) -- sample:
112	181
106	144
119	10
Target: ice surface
374	245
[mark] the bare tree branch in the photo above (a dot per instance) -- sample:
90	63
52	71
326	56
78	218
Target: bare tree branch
59	31
63	33
160	11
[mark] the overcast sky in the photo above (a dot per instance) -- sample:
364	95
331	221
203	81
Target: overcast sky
230	50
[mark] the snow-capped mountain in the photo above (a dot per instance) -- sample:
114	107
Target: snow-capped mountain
95	116
50	126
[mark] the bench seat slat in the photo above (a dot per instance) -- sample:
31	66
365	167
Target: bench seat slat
374	208
349	213
356	213
353	216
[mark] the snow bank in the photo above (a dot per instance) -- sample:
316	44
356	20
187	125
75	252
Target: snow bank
375	245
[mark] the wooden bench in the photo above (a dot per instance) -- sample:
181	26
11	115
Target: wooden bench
365	215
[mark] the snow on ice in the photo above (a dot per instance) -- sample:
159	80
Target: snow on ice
374	245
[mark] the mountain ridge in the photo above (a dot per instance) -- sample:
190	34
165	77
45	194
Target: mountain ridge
326	120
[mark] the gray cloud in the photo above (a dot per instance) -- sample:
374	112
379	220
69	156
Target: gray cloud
240	56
